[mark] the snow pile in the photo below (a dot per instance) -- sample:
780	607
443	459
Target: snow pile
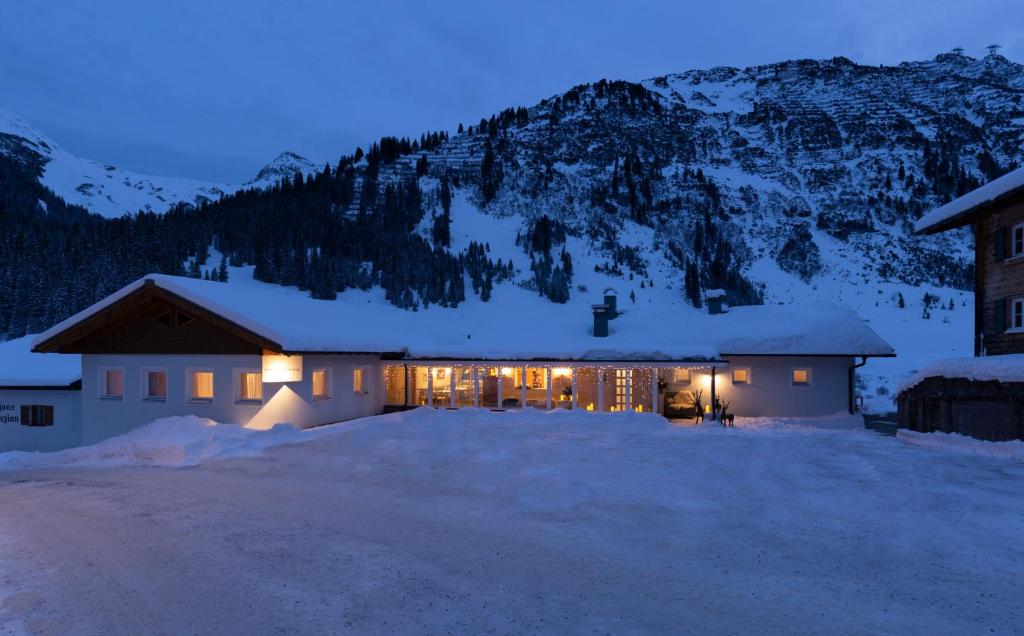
171	441
20	367
1013	449
840	421
1006	368
992	190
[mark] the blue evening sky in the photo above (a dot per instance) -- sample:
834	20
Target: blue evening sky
215	89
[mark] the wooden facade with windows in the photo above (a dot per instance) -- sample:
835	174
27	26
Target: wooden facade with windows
998	227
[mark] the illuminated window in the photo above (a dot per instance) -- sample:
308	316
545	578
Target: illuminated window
36	415
741	376
321	384
250	386
154	384
200	386
801	377
112	384
359	381
681	376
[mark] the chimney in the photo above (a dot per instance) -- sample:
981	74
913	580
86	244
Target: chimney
714	298
610	299
600	320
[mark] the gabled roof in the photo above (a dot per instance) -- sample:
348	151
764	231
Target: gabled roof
961	211
518	326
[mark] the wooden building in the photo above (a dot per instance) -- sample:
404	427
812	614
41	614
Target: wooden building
951	397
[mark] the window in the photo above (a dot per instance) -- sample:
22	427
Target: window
36	415
200	386
154	385
359	380
1017	241
801	377
250	387
741	376
1017	314
112	384
681	376
321	384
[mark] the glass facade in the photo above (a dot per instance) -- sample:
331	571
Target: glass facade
607	388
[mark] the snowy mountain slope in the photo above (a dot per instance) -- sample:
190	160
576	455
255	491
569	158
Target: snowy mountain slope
111	191
100	188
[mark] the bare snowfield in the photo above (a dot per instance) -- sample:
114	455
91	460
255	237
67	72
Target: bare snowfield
472	522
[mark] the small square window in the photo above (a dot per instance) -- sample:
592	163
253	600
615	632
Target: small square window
200	386
681	376
112	384
36	415
741	376
359	381
154	384
801	377
321	384
250	386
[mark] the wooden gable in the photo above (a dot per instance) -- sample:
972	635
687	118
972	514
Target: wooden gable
151	320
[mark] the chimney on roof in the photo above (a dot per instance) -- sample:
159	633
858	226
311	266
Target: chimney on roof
610	299
714	298
600	320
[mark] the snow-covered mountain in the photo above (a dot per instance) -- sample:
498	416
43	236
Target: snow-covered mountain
286	164
111	191
795	181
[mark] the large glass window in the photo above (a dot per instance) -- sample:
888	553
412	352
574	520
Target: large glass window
442	386
418	386
536	386
489	381
586	385
511	393
463	381
200	386
561	387
394	384
640	394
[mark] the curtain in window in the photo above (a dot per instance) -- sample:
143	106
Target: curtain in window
251	386
319	383
156	384
115	383
202	385
357	380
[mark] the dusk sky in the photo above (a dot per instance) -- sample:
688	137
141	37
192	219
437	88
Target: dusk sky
216	89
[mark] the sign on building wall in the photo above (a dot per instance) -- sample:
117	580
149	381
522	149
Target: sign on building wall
9	414
281	368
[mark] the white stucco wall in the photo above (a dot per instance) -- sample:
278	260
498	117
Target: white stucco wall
772	393
282	402
65	432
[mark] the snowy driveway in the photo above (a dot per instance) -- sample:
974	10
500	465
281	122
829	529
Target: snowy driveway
470	522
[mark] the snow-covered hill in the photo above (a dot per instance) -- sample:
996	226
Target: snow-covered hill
111	191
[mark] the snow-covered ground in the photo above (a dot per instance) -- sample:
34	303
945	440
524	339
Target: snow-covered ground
471	522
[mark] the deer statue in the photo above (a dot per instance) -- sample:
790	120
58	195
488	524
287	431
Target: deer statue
698	409
728	419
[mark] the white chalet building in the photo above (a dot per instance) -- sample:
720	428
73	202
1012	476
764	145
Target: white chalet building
257	355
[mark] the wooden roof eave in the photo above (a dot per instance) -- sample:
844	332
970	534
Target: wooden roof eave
969	216
59	342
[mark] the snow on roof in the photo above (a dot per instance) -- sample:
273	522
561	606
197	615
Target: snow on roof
20	367
1006	368
714	293
1004	185
516	324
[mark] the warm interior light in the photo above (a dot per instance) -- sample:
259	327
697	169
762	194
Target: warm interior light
281	368
561	372
506	371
